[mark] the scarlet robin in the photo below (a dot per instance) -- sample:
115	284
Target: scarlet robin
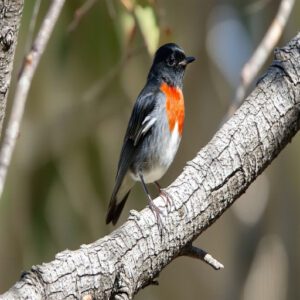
154	130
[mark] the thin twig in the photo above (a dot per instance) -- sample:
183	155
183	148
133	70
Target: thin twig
256	6
195	252
25	78
32	24
79	13
262	52
111	9
99	85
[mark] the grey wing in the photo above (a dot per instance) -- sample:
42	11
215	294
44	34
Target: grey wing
141	121
144	128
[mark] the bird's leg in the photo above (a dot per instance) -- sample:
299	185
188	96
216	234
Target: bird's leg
163	193
153	207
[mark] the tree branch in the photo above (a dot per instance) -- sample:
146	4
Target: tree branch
130	258
194	252
30	64
10	19
262	52
80	13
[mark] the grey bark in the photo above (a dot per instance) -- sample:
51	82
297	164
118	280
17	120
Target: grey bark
120	264
10	19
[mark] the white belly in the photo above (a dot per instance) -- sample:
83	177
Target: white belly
154	174
172	146
160	168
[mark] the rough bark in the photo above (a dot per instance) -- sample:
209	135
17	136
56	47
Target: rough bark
10	19
120	264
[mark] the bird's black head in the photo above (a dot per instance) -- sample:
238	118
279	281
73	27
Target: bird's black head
169	64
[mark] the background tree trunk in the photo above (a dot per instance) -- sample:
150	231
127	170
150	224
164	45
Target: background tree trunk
10	20
119	265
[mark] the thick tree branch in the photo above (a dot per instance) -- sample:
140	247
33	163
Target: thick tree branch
10	19
30	64
120	264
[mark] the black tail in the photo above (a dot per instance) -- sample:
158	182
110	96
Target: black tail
123	185
115	209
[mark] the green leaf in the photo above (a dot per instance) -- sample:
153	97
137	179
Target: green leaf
127	26
148	24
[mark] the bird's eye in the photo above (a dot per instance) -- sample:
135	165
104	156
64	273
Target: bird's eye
171	61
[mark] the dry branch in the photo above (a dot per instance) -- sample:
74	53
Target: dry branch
80	13
262	52
130	258
30	64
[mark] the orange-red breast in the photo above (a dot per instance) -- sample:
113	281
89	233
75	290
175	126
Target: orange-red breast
154	130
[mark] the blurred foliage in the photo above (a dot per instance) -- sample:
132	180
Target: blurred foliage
64	166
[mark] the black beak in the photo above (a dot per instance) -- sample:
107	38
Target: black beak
187	60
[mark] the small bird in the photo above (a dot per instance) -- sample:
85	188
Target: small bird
154	130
